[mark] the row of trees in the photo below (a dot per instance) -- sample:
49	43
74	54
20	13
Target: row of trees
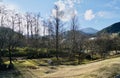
31	30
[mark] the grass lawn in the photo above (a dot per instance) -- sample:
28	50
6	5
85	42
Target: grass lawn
41	69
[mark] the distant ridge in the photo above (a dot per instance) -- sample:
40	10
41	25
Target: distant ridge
89	30
114	28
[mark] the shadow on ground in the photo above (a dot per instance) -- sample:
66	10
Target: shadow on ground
11	73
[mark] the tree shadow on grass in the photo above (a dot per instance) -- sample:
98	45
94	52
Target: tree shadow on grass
11	73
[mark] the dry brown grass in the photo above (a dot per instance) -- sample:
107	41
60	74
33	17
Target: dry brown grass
102	69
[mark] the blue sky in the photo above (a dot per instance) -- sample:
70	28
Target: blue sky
97	14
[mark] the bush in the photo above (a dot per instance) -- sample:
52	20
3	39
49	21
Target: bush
3	67
19	53
88	57
30	52
36	53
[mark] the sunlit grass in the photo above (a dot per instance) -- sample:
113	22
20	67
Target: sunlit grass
39	68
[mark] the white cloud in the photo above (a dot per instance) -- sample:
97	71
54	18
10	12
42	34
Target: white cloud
68	14
71	3
106	14
89	15
102	13
61	5
12	7
66	9
54	13
9	6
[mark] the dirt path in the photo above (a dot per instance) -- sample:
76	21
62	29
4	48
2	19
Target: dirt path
72	71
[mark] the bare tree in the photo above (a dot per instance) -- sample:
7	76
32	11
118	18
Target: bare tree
36	29
13	18
74	35
2	14
28	24
58	26
19	22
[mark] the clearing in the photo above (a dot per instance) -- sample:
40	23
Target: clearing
36	69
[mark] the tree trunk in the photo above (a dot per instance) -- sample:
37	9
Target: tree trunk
0	57
79	59
10	56
57	38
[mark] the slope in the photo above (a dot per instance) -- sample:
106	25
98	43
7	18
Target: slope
114	28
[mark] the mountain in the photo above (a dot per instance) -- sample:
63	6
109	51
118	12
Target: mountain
68	33
8	32
114	28
89	30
